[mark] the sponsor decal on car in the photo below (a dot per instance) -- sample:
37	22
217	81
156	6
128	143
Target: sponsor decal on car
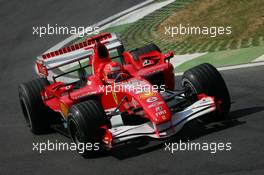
115	97
156	104
152	99
42	69
164	117
64	109
145	95
159	108
146	62
160	113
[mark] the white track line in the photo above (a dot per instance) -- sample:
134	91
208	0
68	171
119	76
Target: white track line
137	14
100	24
261	63
180	59
261	58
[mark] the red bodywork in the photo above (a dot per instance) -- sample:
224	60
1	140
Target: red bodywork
60	97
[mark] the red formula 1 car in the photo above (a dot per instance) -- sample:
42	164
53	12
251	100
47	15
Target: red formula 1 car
95	92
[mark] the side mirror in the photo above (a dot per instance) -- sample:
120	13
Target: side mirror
169	55
67	88
63	89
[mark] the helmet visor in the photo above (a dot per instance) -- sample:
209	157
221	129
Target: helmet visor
113	75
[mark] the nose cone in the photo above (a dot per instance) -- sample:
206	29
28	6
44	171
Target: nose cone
162	114
155	107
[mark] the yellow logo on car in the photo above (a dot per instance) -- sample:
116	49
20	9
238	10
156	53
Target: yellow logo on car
146	95
115	97
64	109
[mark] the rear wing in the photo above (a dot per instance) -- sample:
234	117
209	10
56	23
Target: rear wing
74	53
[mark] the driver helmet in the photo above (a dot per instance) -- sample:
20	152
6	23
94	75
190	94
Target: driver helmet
111	71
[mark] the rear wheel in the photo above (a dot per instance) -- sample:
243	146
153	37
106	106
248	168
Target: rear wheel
37	115
157	79
205	78
84	122
143	50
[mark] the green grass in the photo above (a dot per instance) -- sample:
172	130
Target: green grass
247	24
245	44
224	58
118	29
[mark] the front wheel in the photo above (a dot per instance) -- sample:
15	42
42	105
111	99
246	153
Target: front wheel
84	122
205	78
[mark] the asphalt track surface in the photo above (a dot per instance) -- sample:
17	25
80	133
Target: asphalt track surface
244	128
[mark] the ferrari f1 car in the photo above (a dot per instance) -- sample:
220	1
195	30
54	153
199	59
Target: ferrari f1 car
78	93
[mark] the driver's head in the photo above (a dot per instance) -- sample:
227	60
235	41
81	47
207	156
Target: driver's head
111	71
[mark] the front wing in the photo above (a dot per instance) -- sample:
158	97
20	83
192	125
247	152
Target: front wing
178	120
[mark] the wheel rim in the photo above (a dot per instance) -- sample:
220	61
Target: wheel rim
77	137
75	133
190	89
